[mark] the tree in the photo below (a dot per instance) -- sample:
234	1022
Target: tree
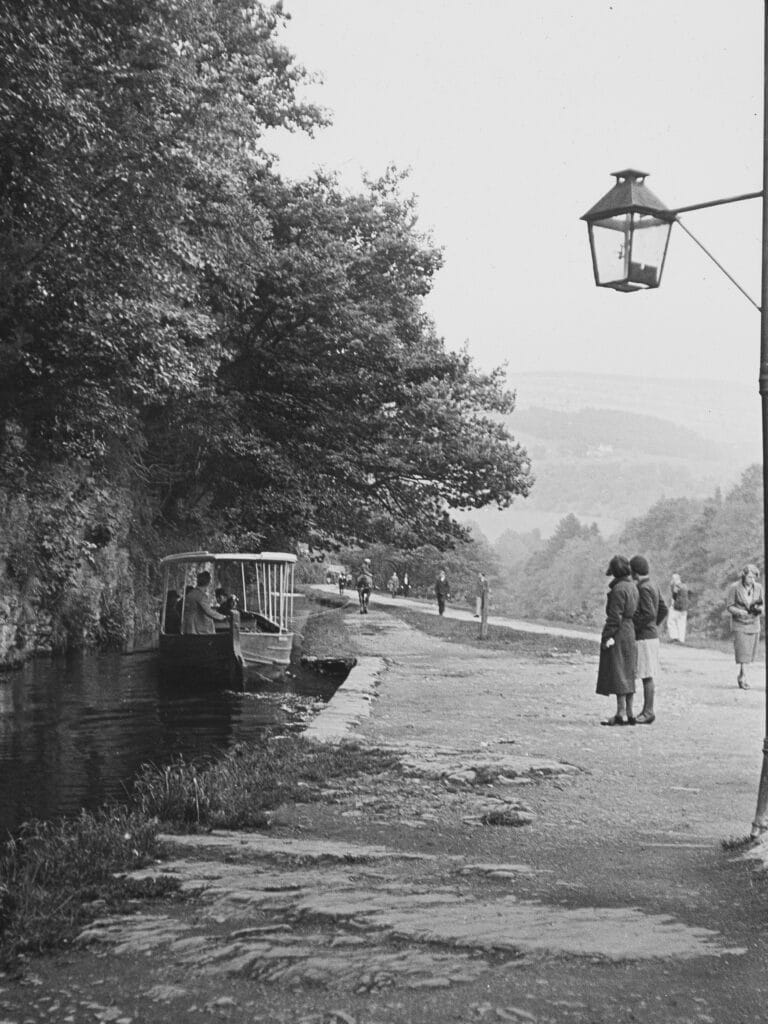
125	129
246	360
337	410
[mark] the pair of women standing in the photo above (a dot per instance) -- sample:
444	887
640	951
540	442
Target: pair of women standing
629	645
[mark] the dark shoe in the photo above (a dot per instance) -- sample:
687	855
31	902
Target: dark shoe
644	718
631	720
743	684
616	720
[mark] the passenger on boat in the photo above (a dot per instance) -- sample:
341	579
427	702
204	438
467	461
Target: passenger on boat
172	612
199	617
225	603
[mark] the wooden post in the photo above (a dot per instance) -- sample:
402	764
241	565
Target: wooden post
484	613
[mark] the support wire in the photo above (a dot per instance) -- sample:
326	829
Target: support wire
717	263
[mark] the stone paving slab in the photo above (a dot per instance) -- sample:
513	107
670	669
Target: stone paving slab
256	844
368	910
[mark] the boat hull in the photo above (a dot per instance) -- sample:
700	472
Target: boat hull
265	655
212	658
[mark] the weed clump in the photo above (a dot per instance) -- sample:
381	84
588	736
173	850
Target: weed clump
240	788
52	870
55	876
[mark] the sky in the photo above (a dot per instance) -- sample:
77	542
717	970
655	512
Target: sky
511	116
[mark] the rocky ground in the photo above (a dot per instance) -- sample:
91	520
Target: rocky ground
521	863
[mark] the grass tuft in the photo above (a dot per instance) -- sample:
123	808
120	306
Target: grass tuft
246	783
738	842
51	870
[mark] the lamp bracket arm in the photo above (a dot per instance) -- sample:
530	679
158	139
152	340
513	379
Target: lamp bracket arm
716	202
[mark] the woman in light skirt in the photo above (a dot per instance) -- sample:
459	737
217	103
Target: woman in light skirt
745	606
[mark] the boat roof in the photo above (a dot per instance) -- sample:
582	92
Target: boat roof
227	556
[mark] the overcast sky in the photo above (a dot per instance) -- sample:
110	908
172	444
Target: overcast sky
511	115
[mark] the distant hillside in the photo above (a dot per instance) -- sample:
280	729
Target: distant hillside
607	448
721	411
601	432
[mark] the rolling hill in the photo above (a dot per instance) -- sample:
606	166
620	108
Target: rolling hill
607	448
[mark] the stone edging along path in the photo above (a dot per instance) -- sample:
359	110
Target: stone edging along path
350	703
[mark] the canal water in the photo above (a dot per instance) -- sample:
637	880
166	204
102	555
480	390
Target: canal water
74	731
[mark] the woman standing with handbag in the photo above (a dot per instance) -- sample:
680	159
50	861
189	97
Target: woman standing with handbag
745	606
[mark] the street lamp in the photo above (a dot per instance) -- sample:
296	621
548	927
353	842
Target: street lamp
628	234
629	231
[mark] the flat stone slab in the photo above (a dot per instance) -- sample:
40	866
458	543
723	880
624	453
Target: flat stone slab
256	844
473	767
433	915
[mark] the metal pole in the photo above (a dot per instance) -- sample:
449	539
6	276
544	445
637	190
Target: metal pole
760	824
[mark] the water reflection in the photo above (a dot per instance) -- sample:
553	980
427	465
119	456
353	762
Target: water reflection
73	731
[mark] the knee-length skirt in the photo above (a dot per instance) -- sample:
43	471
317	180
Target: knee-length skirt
745	647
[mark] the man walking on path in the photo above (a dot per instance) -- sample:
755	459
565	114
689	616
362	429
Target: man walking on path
481	593
442	591
678	612
646	620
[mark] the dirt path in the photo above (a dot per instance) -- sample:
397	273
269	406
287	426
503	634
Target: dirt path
522	864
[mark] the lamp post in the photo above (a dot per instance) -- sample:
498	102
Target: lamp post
629	230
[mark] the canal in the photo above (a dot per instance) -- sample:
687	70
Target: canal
74	731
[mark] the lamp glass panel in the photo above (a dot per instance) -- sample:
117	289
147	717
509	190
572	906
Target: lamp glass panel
611	248
649	243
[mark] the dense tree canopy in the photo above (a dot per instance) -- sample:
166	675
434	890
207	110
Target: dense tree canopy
252	352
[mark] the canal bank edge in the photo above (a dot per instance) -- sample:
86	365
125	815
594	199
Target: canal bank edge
350	704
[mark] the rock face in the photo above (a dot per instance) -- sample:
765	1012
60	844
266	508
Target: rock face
72	570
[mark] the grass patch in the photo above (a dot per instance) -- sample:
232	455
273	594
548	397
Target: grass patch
51	871
530	645
738	843
326	635
56	876
246	783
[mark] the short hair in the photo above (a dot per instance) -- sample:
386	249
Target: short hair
639	565
750	568
619	567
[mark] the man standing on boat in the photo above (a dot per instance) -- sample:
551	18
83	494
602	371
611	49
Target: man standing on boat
199	617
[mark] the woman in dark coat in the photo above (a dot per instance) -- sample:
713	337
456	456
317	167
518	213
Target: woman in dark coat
618	648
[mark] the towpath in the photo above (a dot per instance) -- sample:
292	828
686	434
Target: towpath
521	864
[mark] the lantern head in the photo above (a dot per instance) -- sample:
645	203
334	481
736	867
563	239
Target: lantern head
628	235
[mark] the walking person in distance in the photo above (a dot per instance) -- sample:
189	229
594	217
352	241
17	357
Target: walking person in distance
677	620
618	648
481	593
442	591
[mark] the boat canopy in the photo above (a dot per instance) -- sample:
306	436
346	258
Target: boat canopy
209	556
261	585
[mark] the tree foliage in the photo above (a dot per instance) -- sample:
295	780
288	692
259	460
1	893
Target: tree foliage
249	356
706	542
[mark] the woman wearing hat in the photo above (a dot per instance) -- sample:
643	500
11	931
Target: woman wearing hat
618	649
745	606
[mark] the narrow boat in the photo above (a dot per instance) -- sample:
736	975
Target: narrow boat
253	643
